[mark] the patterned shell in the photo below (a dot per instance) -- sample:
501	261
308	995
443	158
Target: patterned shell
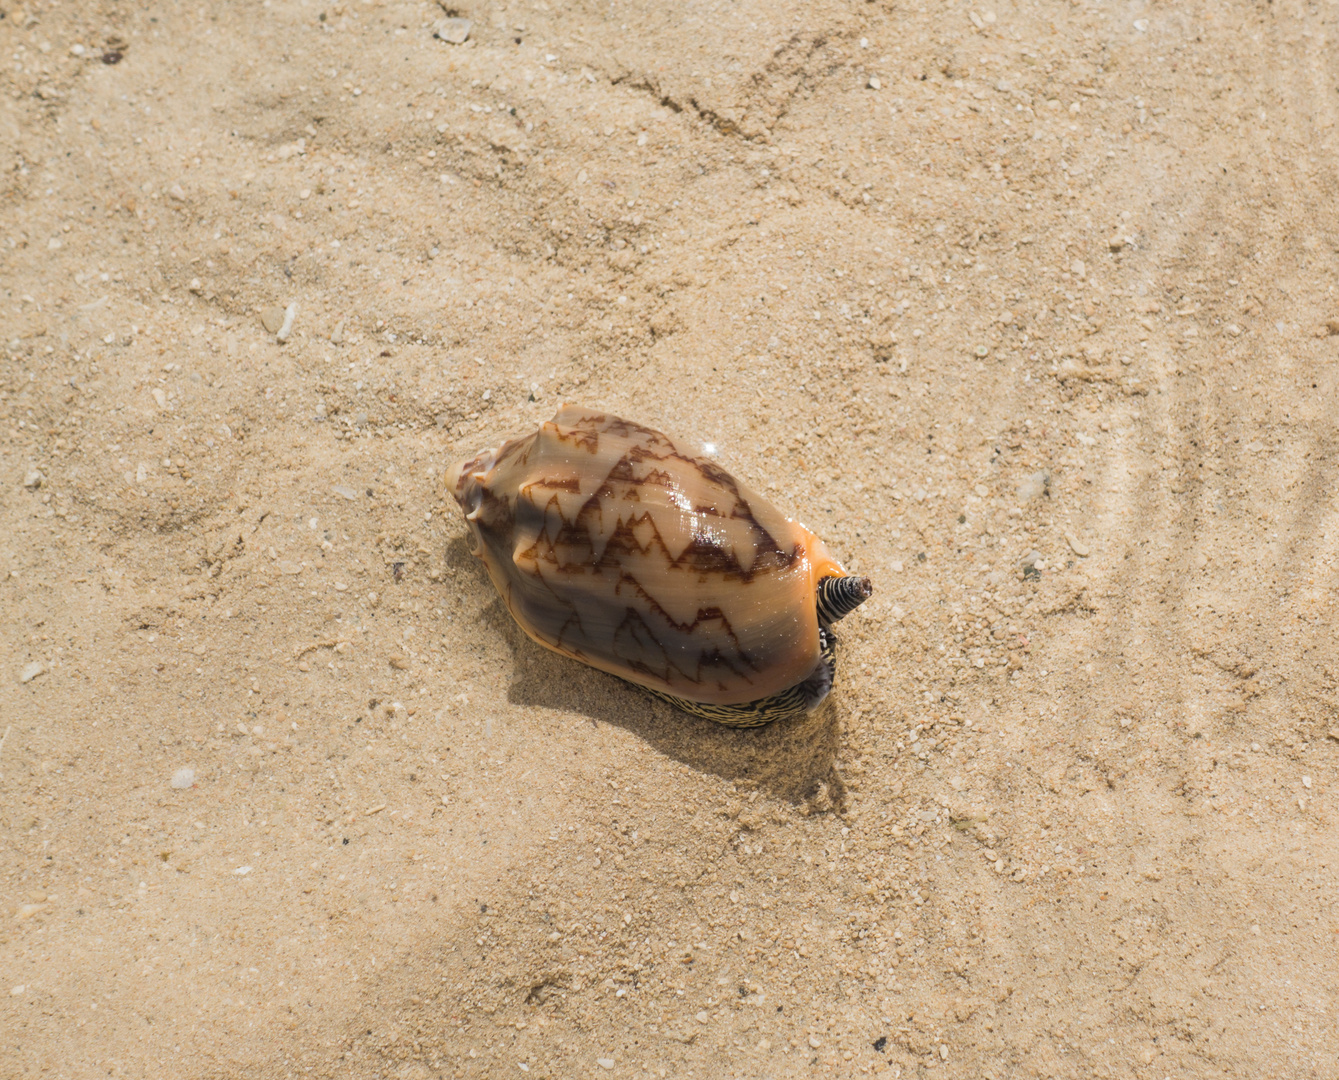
614	545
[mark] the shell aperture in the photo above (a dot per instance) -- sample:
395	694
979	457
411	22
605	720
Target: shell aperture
612	544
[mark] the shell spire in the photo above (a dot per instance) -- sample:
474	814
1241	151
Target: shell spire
839	596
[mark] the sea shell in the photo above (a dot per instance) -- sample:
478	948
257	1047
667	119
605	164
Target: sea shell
613	544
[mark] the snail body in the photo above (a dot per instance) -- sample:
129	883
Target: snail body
613	544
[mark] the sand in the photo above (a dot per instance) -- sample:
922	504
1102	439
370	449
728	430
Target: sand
1027	310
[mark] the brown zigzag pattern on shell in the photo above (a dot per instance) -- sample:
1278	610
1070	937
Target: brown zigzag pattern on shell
617	547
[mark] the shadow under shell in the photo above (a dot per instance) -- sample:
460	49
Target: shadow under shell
790	760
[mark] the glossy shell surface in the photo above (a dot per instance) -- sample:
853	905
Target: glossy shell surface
617	546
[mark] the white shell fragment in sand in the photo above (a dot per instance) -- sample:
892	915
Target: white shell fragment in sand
290	313
454	31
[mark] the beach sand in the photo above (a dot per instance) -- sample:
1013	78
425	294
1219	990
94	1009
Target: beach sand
1028	311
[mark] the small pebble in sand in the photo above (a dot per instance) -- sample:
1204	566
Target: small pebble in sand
182	779
33	478
1076	545
605	1063
1039	483
272	318
30	671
